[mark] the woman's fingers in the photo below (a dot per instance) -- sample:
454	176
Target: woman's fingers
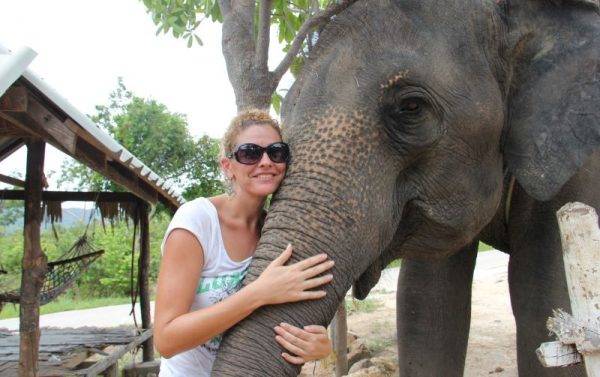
319	268
285	330
293	359
289	346
309	343
309	262
295	331
311	295
315	329
283	257
317	282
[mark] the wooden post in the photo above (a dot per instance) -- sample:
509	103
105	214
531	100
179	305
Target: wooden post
339	334
112	371
34	262
143	275
580	238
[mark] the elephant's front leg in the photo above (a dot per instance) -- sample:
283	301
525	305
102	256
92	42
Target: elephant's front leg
434	314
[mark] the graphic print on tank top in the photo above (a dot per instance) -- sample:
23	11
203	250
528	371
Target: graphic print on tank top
216	289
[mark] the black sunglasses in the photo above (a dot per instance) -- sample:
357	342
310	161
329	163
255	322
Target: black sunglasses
250	154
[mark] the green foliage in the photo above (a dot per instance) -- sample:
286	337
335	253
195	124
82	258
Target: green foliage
182	17
276	101
10	212
395	263
484	247
107	276
204	170
368	305
159	138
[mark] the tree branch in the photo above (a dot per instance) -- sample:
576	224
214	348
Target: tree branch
261	54
319	19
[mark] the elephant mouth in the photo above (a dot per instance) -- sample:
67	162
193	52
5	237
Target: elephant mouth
422	236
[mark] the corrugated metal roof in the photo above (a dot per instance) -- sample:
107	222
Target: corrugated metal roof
15	64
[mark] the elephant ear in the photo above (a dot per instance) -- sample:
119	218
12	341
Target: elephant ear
554	99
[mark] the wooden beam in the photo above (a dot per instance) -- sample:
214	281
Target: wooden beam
82	133
23	121
73	196
12	181
143	276
34	262
51	124
7	129
14	99
106	363
123	176
90	155
11	148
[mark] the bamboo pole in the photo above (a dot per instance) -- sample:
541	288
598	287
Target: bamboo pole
34	262
143	275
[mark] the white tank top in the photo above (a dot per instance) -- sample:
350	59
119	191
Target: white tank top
220	278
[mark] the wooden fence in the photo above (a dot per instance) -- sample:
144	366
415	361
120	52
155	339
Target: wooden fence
578	334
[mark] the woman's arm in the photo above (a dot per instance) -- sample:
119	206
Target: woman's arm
176	329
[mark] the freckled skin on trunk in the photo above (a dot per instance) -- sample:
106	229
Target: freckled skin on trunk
319	210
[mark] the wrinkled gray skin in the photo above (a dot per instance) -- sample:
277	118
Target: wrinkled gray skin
406	127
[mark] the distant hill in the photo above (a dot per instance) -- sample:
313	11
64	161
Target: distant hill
71	216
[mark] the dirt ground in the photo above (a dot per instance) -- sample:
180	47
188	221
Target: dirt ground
491	350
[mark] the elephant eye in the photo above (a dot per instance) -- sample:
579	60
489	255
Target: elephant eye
410	105
409	118
406	111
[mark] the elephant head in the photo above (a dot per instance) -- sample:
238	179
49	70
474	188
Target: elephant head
403	123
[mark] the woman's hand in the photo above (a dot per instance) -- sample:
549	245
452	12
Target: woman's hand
278	283
310	343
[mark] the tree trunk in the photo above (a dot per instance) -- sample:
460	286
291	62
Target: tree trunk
249	76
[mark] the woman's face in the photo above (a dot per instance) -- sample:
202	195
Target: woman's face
262	178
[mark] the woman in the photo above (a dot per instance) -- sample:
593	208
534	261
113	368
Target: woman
206	252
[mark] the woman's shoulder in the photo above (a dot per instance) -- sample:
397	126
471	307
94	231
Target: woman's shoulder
197	210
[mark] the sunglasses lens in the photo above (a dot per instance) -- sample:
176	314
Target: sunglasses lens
279	152
248	154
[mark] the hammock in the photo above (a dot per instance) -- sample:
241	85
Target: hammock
61	273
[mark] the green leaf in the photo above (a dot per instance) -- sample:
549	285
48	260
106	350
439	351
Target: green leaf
296	65
276	100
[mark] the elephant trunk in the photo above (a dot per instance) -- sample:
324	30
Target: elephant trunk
312	226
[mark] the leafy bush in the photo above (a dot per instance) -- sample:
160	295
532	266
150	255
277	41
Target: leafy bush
107	276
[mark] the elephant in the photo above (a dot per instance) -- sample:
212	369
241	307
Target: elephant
419	128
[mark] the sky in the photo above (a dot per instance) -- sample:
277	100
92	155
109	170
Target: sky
83	46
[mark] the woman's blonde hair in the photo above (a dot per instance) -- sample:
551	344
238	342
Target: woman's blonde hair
245	119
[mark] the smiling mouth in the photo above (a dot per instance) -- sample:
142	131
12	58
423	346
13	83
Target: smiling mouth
264	177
